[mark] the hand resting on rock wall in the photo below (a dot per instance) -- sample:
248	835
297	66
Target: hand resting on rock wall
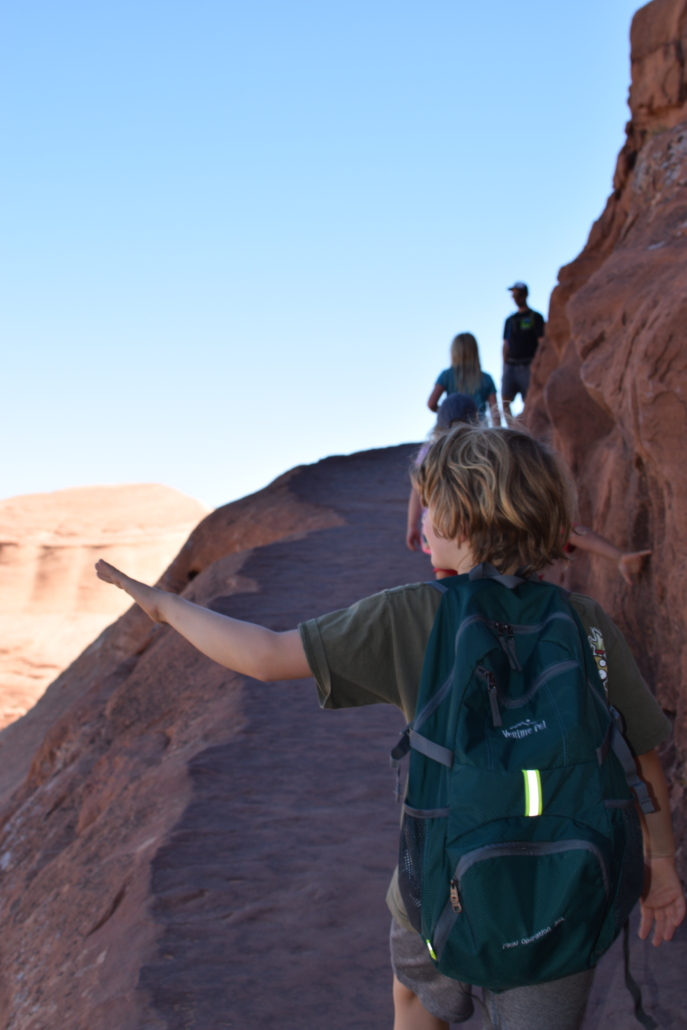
629	563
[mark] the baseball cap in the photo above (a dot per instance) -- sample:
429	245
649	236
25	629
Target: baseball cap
458	407
518	286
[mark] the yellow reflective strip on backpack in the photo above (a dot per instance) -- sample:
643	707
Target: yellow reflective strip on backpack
533	792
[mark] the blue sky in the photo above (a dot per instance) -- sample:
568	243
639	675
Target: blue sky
240	236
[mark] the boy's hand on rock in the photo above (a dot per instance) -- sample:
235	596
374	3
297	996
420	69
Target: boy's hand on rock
146	597
630	564
663	901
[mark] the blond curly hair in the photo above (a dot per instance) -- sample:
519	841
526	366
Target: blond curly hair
508	494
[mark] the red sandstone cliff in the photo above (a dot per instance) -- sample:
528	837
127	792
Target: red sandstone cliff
610	384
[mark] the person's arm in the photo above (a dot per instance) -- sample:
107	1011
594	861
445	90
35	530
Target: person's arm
494	409
242	646
629	562
505	350
413	534
433	402
663	902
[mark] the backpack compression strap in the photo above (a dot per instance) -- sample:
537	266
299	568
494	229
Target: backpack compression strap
633	987
411	739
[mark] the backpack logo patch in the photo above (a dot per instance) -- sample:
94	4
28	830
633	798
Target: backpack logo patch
524	729
534	937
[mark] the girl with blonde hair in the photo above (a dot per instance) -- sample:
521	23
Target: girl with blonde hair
466	376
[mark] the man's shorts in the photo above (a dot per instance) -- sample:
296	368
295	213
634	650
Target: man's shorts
559	1004
516	379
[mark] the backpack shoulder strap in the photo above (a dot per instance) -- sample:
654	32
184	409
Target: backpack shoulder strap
621	748
438	585
487	571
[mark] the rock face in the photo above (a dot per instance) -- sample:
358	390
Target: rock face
610	383
51	606
182	847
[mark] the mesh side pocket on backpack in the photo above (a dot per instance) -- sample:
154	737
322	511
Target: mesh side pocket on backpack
410	867
632	873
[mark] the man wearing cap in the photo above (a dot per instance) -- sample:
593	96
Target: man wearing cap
521	335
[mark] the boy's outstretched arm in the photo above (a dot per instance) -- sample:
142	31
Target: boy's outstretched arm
663	901
242	646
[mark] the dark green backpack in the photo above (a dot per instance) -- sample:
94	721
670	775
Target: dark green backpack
521	849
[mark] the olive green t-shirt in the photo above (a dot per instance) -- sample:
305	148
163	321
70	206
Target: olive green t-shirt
373	653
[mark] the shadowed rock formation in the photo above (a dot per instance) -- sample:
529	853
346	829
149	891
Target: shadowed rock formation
610	382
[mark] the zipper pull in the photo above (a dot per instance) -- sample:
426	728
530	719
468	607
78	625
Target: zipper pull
513	654
494	701
506	638
488	675
455	896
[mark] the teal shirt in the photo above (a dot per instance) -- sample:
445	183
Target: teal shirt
447	379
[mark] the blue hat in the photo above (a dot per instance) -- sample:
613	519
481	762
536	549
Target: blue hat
519	286
458	407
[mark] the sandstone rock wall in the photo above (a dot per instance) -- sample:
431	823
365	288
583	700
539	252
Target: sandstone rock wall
51	606
610	383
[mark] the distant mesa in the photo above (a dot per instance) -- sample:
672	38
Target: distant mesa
51	604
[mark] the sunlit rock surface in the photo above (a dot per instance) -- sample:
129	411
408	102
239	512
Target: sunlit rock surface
51	605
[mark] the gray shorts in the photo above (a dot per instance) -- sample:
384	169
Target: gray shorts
516	379
560	1003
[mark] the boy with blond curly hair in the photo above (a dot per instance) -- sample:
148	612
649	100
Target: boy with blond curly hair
499	507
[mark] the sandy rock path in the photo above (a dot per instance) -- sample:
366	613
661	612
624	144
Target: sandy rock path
291	833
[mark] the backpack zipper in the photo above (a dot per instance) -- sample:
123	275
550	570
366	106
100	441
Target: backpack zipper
506	638
533	849
454	896
492	694
557	669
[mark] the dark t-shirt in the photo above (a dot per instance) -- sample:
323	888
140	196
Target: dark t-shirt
523	331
